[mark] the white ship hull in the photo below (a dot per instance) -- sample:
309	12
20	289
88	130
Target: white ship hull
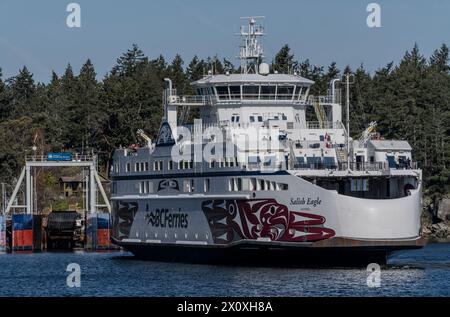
302	225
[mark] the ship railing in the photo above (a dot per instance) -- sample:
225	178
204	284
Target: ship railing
257	98
171	97
223	125
354	166
365	166
342	166
321	99
315	166
262	166
296	145
321	125
189	100
266	124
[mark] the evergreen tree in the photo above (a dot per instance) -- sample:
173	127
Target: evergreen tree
284	62
177	75
5	107
196	69
129	61
89	114
439	59
22	89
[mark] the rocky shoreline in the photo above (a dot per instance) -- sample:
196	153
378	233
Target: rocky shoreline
436	219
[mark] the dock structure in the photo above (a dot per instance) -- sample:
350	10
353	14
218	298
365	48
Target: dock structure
26	177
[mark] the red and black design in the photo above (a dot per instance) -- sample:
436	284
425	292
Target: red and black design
123	217
232	220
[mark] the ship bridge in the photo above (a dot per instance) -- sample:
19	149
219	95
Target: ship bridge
255	96
254	88
251	98
244	89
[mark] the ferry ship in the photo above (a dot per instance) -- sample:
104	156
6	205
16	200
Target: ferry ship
252	181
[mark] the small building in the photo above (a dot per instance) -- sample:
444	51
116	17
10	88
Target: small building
396	152
73	185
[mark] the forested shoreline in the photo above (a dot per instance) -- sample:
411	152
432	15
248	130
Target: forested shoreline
76	112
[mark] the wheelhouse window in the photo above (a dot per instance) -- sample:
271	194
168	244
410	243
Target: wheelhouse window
285	92
268	92
299	92
222	93
250	92
235	92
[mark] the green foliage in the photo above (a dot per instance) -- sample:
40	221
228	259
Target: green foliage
284	61
50	180
61	205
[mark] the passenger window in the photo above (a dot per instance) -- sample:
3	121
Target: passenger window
207	185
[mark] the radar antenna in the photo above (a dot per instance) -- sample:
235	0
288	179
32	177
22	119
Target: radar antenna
251	52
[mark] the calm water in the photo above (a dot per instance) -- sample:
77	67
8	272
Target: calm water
423	272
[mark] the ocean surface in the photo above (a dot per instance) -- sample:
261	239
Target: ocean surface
424	272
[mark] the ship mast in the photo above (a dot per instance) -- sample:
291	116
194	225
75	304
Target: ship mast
251	52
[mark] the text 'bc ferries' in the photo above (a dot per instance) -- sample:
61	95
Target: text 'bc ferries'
253	180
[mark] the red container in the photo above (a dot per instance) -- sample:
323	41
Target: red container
22	240
103	236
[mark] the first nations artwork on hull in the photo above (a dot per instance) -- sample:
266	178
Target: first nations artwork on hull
232	220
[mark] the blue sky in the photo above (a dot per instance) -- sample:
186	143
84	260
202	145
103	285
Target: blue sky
34	33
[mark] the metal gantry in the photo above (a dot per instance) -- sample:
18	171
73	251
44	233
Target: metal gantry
93	183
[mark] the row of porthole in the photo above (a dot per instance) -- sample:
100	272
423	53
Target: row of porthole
196	235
